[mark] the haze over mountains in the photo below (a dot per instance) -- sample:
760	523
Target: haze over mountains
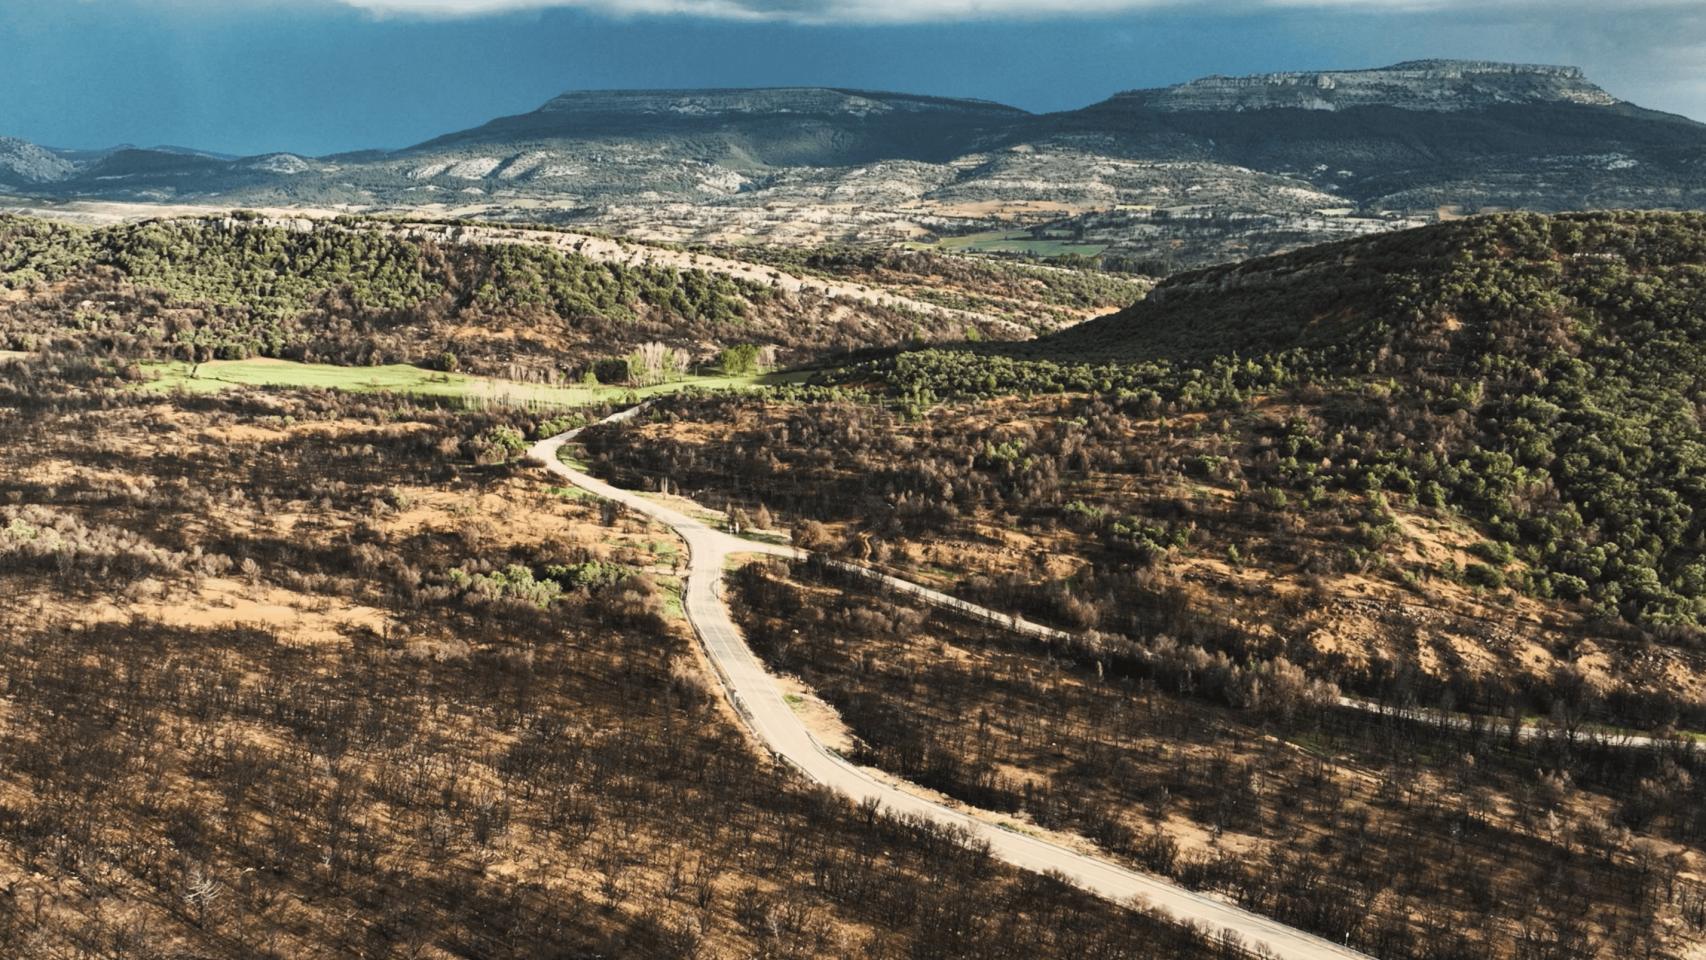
1212	169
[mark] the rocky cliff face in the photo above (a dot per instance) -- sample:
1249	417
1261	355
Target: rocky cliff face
1447	85
22	162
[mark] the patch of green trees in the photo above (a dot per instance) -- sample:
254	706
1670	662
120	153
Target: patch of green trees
349	292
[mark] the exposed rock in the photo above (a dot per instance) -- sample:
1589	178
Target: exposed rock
1450	85
22	162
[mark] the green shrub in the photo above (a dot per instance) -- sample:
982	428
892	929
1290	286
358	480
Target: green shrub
1481	575
739	360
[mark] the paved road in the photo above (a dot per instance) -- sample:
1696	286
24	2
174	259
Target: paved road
772	720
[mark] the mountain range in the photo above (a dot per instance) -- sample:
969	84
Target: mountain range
1213	169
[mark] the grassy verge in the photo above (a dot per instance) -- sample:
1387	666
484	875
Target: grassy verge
674	602
572	493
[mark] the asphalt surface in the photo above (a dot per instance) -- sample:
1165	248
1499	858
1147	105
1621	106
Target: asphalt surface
759	701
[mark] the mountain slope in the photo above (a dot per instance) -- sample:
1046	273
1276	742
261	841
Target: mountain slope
24	164
1454	281
746	129
1419	134
528	305
1208	171
1542	376
1449	85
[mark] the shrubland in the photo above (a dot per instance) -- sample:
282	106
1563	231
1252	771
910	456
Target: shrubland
1088	514
1405	840
1460	467
1540	375
1463	463
311	674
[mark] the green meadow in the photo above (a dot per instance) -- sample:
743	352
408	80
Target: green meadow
219	375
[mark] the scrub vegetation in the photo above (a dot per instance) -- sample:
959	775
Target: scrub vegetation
1457	468
1407	840
329	674
299	659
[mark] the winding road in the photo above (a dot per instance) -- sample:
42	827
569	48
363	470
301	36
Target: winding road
759	701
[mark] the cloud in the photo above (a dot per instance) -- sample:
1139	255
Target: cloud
724	9
921	11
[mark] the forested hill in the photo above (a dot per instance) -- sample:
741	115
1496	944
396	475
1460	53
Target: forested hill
359	291
1545	376
1516	282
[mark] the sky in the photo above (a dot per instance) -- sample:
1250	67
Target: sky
324	76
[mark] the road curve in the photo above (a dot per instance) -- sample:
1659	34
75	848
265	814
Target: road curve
760	703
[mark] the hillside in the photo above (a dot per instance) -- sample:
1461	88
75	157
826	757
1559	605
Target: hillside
314	675
1471	461
533	305
1559	283
1458	468
23	164
741	129
1544	375
1212	170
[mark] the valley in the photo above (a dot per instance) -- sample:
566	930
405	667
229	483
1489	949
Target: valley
321	674
1257	518
759	700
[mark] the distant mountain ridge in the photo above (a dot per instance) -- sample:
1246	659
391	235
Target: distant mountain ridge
1443	85
23	163
748	100
782	126
1247	164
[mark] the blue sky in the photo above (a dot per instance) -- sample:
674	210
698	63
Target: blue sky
318	76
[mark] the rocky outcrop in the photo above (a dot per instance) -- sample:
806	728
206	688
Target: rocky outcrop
22	162
1448	85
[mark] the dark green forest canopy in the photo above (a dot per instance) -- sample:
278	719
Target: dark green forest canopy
262	288
1546	376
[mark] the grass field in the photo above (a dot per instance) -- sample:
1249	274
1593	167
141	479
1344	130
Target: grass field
1011	241
401	378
